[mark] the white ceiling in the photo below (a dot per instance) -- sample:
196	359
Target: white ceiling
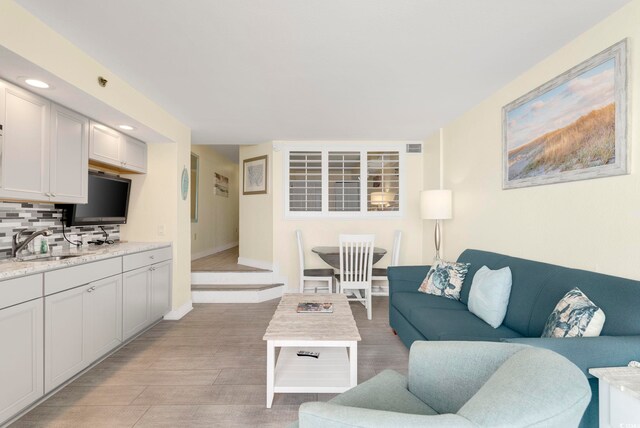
249	71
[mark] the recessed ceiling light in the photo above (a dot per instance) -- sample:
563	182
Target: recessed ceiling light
36	83
126	127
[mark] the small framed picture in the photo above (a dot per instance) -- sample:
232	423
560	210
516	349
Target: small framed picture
255	176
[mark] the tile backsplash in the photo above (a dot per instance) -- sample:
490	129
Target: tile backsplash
16	216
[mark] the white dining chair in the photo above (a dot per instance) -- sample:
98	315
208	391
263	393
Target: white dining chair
380	274
323	276
356	267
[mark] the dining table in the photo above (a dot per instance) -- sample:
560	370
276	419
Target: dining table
331	255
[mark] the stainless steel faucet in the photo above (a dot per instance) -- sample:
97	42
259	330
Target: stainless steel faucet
17	246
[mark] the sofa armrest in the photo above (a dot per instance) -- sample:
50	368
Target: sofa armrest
406	278
589	352
329	415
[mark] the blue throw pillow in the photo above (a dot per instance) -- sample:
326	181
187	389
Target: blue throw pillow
489	295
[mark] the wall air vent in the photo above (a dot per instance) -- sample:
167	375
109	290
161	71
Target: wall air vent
414	148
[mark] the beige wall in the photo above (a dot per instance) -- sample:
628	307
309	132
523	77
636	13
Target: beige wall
323	231
156	201
217	225
256	212
592	224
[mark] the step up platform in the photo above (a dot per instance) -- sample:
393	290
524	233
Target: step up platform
235	293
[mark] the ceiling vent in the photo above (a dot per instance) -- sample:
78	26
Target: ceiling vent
414	148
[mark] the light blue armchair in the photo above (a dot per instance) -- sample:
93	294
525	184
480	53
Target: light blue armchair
462	384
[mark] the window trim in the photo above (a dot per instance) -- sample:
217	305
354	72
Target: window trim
363	213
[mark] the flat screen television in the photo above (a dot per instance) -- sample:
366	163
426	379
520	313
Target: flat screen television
107	203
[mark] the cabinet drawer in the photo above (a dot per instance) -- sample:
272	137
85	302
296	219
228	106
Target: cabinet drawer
64	279
19	290
146	258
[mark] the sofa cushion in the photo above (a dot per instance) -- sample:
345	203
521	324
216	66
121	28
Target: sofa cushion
407	303
445	324
387	391
619	298
574	316
445	279
489	295
528	279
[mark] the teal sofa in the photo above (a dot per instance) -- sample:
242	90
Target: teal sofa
462	384
537	288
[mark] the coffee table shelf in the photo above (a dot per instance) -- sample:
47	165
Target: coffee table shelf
327	374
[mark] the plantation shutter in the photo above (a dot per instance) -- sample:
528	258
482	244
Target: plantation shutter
305	181
383	181
344	181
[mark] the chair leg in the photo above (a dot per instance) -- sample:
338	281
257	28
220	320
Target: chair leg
368	296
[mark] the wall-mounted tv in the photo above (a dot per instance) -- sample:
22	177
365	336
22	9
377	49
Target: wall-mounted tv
108	202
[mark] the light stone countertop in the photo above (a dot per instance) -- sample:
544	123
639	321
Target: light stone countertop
626	379
10	268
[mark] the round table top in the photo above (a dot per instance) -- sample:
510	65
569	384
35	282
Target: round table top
331	255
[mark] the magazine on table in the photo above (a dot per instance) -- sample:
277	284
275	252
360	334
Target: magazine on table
312	307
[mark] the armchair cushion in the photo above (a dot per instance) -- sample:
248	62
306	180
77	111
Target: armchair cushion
386	391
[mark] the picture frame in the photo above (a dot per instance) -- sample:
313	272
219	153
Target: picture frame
221	185
255	175
574	127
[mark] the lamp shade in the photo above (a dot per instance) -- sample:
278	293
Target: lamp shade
382	198
435	204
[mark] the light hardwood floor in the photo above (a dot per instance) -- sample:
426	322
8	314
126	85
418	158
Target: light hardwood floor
224	261
207	369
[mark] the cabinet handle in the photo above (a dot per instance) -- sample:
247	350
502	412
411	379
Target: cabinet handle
152	257
90	289
53	195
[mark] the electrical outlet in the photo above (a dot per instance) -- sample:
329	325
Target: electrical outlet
161	230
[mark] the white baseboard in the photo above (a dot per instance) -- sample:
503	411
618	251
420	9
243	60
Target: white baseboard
260	264
212	251
178	313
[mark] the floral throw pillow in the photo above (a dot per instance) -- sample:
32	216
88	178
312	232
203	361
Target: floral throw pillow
445	279
574	316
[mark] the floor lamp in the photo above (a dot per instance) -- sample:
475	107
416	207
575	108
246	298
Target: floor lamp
436	205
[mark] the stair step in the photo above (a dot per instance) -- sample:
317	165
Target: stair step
233	287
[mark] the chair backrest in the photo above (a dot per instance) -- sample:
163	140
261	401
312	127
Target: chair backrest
395	253
356	259
300	251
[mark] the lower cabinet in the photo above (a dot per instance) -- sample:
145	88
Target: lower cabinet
21	357
146	296
81	325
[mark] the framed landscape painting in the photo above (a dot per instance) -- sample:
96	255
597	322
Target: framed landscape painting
573	127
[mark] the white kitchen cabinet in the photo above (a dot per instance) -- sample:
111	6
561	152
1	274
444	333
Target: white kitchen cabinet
146	290
69	156
136	301
44	149
21	359
135	155
81	325
111	148
25	144
160	289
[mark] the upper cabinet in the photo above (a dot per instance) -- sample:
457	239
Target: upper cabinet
44	149
113	149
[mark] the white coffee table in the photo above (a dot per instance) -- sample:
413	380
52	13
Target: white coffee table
332	335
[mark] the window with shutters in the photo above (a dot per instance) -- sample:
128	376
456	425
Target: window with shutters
343	183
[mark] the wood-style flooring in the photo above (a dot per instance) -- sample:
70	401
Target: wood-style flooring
224	261
206	370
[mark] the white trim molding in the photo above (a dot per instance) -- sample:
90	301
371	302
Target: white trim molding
179	312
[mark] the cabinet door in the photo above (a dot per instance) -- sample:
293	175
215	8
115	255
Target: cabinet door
135	155
160	290
104	313
136	300
66	336
21	357
69	151
25	144
105	145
